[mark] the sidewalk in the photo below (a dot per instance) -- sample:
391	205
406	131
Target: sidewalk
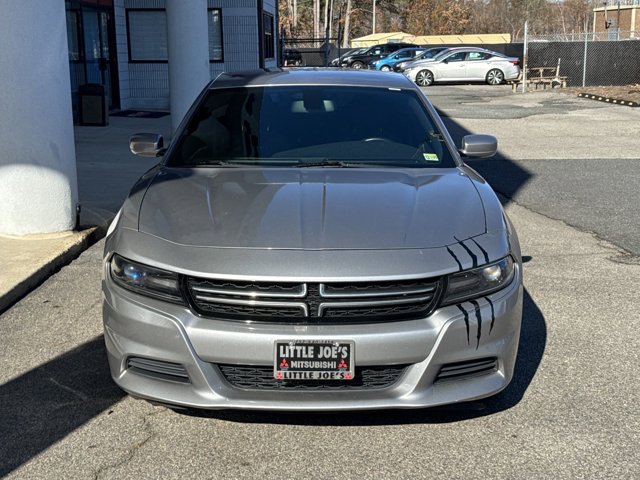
106	171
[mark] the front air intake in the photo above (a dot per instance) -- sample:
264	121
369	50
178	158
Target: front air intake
467	369
172	372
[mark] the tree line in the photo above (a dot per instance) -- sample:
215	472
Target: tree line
356	18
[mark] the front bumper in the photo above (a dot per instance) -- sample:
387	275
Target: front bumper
137	326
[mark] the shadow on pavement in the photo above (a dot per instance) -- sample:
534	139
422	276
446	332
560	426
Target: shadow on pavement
503	174
49	402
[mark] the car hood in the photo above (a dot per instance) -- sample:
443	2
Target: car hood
417	63
312	208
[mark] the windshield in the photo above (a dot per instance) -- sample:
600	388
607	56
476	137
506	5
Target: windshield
311	125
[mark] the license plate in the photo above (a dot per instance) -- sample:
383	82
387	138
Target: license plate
324	360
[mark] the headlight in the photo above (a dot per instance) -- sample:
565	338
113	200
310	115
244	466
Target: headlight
145	280
479	282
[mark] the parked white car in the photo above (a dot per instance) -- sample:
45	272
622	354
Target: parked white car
465	64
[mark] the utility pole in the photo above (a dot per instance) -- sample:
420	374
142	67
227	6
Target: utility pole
374	16
347	21
295	15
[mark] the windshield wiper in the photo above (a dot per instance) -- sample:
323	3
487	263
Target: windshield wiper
328	163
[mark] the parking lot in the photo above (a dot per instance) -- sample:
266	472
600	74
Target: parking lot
566	169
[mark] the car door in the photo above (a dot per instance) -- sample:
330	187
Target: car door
452	67
477	65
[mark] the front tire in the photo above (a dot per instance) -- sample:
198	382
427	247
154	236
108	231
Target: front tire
424	78
385	68
495	77
357	65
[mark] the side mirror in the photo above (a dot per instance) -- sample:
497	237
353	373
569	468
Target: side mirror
147	144
479	146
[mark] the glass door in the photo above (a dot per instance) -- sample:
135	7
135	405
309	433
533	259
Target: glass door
99	58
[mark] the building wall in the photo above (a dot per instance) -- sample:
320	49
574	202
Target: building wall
240	35
271	6
146	85
627	19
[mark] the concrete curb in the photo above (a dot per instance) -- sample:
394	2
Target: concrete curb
87	238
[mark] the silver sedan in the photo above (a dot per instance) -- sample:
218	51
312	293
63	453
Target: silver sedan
312	240
465	64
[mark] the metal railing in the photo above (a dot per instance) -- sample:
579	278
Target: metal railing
309	52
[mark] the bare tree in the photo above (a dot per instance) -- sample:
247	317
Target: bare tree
347	25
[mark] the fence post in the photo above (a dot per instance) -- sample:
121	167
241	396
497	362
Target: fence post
325	52
525	59
584	60
281	48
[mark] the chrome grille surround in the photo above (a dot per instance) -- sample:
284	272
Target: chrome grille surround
309	303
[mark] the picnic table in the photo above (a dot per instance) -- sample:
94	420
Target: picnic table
542	77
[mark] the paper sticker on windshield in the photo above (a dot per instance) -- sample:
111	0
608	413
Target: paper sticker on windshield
431	157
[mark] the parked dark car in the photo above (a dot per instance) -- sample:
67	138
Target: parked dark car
362	60
291	57
336	62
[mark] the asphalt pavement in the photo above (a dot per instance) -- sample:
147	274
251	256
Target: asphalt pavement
570	412
571	159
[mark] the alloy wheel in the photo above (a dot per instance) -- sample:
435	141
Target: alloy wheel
424	78
495	77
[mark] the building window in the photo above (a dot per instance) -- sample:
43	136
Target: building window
267	28
73	35
147	35
216	51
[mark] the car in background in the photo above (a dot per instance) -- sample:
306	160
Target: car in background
427	54
312	240
363	59
336	62
466	64
292	57
387	63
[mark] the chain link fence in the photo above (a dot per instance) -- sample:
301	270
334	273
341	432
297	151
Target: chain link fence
604	58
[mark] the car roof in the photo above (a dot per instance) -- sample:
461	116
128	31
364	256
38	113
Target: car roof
410	48
471	49
311	76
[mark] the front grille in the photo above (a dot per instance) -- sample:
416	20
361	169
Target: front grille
158	369
261	378
337	303
467	369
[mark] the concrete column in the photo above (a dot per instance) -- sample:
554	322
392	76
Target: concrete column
188	44
38	185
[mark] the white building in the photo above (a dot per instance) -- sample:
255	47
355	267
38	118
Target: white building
148	54
122	44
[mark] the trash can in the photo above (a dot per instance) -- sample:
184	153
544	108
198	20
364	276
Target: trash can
94	109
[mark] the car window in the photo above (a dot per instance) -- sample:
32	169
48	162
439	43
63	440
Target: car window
296	124
403	54
478	56
442	54
376	51
456	57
